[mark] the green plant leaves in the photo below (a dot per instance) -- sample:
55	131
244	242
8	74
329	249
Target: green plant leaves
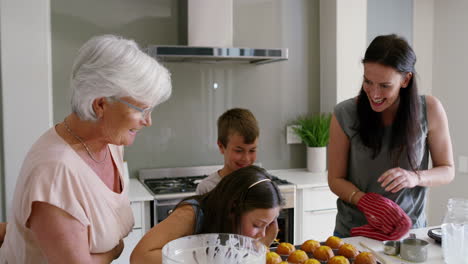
314	130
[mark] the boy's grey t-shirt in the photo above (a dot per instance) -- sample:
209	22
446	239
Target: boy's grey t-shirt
363	171
208	183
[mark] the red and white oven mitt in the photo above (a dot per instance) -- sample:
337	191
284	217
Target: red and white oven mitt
386	220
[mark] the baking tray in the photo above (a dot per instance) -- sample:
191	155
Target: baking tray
335	251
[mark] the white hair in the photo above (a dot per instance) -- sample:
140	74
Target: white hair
111	66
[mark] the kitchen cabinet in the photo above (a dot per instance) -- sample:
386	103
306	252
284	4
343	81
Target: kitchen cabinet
315	208
140	202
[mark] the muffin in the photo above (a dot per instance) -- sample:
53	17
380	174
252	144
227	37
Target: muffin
348	250
338	260
323	253
310	246
365	258
298	257
334	242
312	261
273	258
285	248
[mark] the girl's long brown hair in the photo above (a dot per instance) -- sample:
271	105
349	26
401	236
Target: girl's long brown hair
224	205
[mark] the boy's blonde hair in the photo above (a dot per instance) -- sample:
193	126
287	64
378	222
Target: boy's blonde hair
237	120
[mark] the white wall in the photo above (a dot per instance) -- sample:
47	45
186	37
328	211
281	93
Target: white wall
26	81
328	61
387	17
343	36
351	46
450	81
423	43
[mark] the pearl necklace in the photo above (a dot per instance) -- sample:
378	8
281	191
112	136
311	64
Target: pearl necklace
84	145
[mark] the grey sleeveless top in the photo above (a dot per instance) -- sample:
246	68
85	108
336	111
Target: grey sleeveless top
199	216
363	171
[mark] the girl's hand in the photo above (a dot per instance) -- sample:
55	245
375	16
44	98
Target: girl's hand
396	179
270	233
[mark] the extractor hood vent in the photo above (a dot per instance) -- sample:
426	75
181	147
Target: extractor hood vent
210	38
216	54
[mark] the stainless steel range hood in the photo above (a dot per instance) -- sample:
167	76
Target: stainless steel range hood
217	54
210	38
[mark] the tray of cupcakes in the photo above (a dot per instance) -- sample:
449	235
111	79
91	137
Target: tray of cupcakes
332	251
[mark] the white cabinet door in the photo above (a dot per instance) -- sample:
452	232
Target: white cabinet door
316	213
318	198
134	237
318	224
137	209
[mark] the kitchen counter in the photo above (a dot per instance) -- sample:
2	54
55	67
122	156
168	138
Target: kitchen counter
302	178
137	192
434	250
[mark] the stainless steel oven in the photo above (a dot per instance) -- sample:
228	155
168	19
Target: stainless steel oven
171	185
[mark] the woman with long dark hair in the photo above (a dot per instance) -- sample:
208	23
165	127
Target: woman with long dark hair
380	144
245	202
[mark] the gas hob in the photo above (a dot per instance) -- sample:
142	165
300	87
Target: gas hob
169	183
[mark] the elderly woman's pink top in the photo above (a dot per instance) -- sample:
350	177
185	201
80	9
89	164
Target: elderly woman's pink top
53	173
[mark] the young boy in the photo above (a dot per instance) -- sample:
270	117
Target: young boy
237	140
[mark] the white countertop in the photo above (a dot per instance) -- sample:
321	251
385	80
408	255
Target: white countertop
137	192
283	188
434	250
302	178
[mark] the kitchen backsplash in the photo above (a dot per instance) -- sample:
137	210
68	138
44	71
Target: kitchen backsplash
184	128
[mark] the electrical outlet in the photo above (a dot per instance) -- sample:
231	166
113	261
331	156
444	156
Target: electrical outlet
291	137
463	164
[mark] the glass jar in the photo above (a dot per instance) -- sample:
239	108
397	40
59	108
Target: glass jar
455	232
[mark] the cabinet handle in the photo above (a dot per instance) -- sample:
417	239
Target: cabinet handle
320	188
321	211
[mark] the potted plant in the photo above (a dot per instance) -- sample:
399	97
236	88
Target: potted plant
314	132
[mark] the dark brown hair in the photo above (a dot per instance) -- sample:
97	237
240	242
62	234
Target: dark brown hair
392	51
237	120
224	205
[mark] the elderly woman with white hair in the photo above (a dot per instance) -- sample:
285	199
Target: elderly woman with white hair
70	203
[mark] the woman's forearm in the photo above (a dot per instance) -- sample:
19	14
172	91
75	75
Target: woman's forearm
436	176
2	232
101	258
93	258
150	257
109	256
345	190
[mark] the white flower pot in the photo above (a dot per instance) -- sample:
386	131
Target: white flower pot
317	159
